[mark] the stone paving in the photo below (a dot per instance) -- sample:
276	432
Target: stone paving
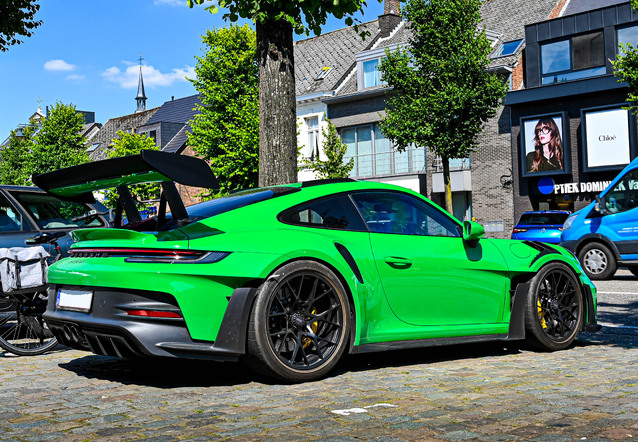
470	392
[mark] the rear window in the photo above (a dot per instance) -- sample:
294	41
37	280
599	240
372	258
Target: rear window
52	213
543	219
235	201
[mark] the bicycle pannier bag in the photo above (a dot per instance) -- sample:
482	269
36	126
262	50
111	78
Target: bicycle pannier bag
22	268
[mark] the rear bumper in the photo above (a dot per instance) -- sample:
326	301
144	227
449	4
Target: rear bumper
108	330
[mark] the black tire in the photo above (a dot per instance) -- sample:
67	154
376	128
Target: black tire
554	308
300	323
598	261
23	332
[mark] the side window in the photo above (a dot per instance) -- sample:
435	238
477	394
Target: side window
10	219
624	195
52	213
390	212
336	212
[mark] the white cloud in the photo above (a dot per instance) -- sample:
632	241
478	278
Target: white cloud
58	65
128	78
75	77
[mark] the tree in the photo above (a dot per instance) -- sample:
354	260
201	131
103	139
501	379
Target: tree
226	132
59	143
335	150
127	144
626	68
442	93
17	19
275	22
15	156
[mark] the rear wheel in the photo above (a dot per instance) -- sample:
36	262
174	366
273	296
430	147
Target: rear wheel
300	323
22	330
554	308
598	261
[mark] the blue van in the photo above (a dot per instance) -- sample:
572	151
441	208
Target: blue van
604	235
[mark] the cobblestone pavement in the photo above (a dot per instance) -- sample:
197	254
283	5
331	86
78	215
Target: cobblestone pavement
483	392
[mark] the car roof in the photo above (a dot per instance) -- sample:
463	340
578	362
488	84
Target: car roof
12	187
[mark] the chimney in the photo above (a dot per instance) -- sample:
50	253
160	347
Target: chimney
390	18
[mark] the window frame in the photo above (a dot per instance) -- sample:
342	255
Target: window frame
457	225
576	74
281	216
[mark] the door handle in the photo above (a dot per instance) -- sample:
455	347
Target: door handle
398	262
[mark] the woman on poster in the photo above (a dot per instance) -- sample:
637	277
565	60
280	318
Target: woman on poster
548	149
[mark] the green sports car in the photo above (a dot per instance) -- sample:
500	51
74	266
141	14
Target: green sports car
289	278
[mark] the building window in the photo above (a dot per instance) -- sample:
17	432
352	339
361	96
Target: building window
627	35
312	149
374	155
578	57
507	48
371	74
153	136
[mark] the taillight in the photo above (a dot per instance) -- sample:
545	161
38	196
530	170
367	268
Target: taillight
172	256
519	230
154	314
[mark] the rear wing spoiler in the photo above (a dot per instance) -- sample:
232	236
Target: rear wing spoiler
77	183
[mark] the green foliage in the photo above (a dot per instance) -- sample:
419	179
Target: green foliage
626	68
226	132
335	150
14	167
303	16
442	92
127	144
59	143
16	20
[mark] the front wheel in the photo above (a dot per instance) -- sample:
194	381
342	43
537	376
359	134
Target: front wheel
554	308
598	261
22	330
300	323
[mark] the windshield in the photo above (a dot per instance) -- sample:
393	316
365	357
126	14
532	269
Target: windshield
52	213
543	219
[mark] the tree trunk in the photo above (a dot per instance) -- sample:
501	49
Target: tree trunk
277	104
447	185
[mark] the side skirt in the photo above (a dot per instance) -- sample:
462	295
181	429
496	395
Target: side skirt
433	342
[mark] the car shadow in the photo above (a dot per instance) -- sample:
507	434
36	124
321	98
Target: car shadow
171	373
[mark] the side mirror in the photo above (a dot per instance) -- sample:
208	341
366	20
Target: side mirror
600	206
472	232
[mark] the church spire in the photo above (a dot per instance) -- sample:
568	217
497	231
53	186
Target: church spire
141	95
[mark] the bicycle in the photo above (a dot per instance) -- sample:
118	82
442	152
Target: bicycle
22	330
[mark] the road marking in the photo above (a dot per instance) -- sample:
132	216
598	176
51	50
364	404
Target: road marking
349	411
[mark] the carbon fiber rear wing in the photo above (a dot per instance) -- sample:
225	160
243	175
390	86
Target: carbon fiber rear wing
77	183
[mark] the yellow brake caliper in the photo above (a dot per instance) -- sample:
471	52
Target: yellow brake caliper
314	327
540	315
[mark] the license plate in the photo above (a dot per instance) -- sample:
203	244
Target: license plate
76	300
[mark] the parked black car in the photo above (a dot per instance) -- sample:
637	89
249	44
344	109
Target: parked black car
27	211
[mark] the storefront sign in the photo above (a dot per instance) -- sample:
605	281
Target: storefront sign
607	138
588	187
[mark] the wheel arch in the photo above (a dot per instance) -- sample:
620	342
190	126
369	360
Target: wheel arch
354	312
597	237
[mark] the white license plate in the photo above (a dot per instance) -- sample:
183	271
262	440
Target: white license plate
77	300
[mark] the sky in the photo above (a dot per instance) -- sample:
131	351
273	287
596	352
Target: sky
86	53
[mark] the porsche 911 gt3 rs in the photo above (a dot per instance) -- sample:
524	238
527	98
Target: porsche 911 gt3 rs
289	278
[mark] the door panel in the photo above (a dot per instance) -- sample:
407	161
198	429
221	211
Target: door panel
429	274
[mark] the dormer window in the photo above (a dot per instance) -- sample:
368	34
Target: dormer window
368	73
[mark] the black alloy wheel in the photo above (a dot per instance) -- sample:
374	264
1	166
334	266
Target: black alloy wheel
299	324
554	308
